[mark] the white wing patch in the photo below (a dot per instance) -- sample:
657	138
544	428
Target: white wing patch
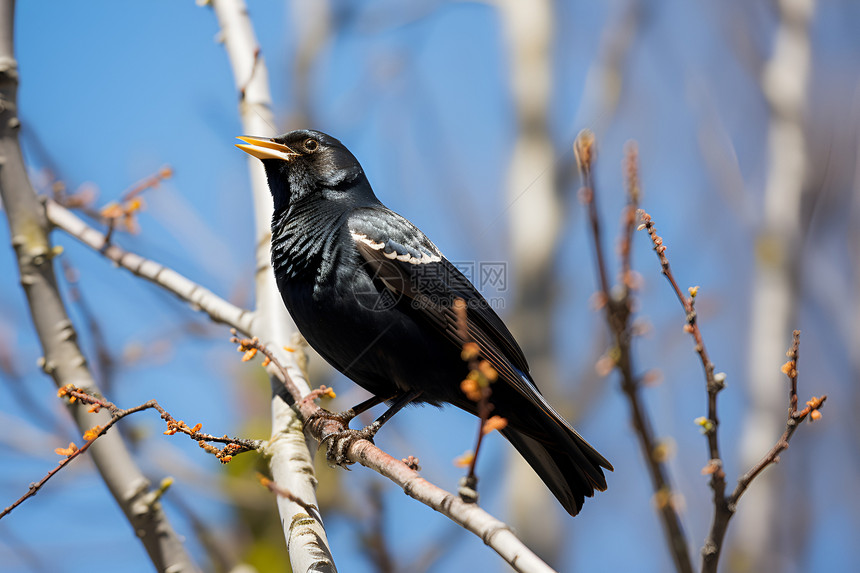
391	252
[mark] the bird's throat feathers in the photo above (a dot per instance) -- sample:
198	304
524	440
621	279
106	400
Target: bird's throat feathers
298	182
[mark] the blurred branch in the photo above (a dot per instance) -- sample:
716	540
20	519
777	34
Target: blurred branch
775	288
30	557
219	549
311	31
493	532
374	543
604	81
617	301
105	364
291	456
533	195
198	297
21	394
63	359
726	506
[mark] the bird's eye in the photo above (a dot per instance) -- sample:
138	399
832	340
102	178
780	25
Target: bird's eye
311	144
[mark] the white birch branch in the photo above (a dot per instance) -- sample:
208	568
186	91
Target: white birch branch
63	359
775	287
493	532
291	457
195	295
532	193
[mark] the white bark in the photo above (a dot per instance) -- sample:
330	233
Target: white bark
535	218
197	296
291	457
775	295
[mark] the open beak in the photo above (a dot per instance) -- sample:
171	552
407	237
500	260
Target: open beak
263	148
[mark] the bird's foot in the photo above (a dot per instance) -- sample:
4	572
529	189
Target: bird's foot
321	416
338	443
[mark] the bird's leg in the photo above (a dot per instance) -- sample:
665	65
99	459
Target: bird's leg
399	402
347	415
337	444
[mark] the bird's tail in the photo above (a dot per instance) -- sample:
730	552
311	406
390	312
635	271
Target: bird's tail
569	466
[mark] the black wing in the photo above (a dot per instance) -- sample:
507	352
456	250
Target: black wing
411	265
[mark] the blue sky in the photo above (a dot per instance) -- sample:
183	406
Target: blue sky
110	92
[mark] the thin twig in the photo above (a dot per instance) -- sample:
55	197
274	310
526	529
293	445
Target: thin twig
477	388
251	77
813	405
287	494
618	307
714	382
233	446
105	362
146	183
726	506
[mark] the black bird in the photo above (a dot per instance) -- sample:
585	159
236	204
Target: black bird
374	297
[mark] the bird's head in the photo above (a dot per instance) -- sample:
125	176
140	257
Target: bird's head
304	163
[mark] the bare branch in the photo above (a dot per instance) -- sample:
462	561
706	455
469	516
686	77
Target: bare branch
618	305
233	446
285	493
197	296
291	456
725	507
714	382
63	359
468	515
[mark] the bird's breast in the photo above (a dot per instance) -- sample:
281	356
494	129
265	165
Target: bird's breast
304	242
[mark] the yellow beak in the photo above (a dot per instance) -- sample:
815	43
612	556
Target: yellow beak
263	148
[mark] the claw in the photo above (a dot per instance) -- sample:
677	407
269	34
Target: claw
338	443
343	417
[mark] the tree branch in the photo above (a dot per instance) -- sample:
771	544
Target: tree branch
232	447
493	532
195	295
291	456
62	356
617	302
725	507
713	382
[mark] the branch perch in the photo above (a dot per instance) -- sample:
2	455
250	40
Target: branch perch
468	515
